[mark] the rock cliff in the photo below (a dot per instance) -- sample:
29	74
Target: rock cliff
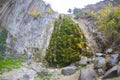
29	24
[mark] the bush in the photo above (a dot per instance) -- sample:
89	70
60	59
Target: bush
94	15
3	37
49	11
35	14
10	63
77	12
109	22
44	76
62	49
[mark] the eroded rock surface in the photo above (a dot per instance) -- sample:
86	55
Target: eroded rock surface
29	24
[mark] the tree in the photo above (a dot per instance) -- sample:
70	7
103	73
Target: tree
76	10
69	10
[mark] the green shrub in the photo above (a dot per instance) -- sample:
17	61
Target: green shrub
10	63
80	68
62	49
44	76
94	15
3	37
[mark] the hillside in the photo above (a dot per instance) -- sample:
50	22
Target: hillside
37	43
101	21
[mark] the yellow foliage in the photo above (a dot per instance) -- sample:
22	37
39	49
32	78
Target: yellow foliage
105	12
108	20
49	11
35	14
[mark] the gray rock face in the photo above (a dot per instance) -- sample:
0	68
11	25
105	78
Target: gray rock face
27	72
99	62
113	60
29	23
69	70
87	74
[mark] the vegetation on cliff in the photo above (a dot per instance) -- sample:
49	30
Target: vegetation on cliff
7	62
108	20
62	49
3	37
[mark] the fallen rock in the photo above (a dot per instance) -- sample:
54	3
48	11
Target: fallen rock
118	69
69	70
100	71
87	74
99	62
108	51
19	74
90	60
113	60
83	61
99	55
26	77
111	73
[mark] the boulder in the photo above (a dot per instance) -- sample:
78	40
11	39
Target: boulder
113	60
44	71
56	72
19	74
111	73
108	51
100	71
26	77
83	61
99	62
99	55
90	60
87	74
68	70
118	69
